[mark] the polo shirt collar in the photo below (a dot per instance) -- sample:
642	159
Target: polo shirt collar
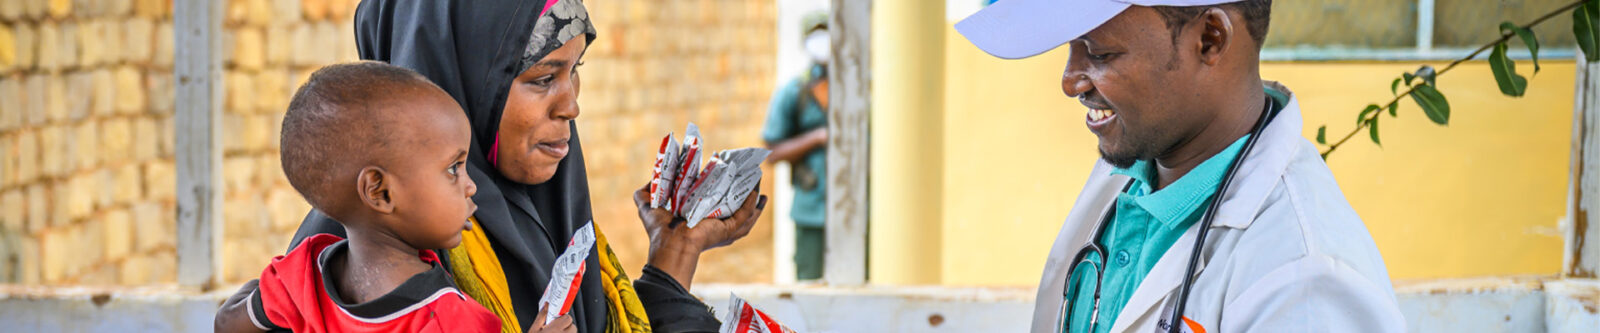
1173	205
1261	169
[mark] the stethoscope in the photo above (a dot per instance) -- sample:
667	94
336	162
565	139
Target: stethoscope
1094	248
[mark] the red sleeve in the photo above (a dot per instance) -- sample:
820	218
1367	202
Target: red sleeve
271	306
288	288
459	314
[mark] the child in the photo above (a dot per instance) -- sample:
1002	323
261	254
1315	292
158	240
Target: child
381	149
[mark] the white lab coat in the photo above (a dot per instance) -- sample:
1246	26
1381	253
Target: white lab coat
1286	252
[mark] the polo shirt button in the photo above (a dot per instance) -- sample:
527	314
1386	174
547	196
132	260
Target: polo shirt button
1123	258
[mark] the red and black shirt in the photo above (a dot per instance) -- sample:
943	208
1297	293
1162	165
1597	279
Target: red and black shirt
296	294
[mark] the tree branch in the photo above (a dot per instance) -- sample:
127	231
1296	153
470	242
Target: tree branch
1504	36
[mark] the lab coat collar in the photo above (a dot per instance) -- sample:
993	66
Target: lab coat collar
1263	167
1260	170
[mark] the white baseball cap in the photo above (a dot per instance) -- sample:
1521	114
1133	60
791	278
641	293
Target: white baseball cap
1015	29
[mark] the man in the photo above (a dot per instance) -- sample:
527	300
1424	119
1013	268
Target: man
796	131
1174	93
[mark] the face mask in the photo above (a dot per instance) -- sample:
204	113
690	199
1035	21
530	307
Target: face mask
817	46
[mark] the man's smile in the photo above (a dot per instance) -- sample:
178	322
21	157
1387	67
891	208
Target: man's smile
1100	115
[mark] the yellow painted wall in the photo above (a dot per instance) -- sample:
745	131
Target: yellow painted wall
1480	197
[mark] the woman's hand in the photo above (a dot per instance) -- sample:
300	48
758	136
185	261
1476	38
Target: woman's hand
561	324
675	248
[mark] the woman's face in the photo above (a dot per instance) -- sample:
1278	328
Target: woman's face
533	129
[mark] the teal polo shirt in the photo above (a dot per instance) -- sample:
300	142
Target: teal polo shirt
1146	225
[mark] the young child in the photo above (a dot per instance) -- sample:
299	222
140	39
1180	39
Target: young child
383	150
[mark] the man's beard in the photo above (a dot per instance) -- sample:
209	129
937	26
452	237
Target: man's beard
1121	161
1137	150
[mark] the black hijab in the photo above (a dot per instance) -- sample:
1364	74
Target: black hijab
473	50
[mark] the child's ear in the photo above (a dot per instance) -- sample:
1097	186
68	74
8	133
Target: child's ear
373	187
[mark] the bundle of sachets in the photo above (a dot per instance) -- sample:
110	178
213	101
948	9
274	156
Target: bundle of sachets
695	192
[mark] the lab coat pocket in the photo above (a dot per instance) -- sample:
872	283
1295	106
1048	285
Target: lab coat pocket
1164	322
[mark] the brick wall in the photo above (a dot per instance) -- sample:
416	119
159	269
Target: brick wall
86	139
86	142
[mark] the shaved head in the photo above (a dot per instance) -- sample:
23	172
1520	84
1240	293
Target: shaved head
344	118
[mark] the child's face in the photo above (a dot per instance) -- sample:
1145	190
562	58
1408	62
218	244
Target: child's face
432	192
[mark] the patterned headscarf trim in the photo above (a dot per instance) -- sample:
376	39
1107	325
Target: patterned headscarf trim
560	21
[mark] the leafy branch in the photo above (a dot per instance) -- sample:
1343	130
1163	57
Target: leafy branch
1585	26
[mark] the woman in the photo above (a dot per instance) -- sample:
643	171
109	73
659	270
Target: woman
513	66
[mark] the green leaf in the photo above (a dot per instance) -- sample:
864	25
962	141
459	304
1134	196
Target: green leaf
1433	103
1408	76
1527	40
1322	134
1394	87
1505	72
1426	73
1586	29
1372	130
1370	109
1393	106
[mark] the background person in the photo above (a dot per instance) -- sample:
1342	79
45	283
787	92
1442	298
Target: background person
797	132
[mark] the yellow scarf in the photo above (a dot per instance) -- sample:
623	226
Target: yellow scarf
477	272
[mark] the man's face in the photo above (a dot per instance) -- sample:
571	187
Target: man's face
1138	85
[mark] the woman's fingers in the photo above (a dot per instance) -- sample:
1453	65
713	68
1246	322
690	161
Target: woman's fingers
538	320
563	324
755	205
651	217
747	209
752	208
560	324
741	223
710	233
641	198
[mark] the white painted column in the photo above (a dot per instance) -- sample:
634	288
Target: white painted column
197	25
850	86
1581	257
1424	25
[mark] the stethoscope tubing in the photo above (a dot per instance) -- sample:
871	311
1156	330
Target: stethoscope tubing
1211	213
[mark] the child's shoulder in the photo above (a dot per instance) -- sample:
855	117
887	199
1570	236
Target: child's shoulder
290	290
426	301
302	261
313	246
456	311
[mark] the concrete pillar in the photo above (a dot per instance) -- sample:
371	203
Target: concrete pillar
198	27
1582	256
